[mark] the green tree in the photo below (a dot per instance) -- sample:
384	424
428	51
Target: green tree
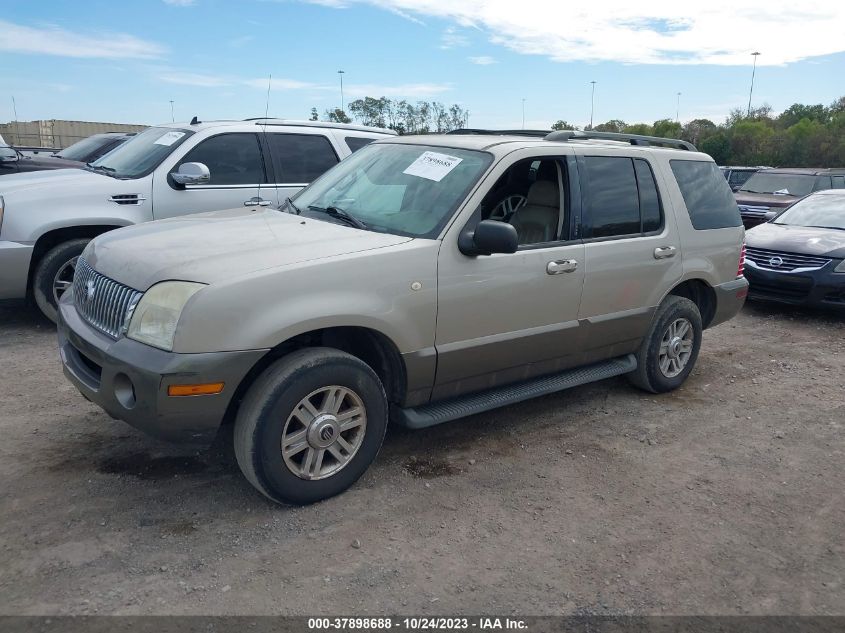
560	124
718	146
667	128
614	125
797	112
639	128
314	115
337	116
698	130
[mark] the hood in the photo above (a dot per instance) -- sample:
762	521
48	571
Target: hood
210	247
39	188
797	239
38	162
743	198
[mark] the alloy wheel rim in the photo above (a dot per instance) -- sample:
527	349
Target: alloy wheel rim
324	432
675	347
63	278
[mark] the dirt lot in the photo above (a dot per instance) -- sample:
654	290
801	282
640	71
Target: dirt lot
725	497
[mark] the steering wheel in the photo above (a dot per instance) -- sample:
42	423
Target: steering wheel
507	207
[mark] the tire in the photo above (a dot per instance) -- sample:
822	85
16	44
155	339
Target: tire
59	260
652	375
267	417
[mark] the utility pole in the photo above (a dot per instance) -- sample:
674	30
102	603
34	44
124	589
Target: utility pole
17	124
678	110
172	117
592	103
523	113
342	105
753	72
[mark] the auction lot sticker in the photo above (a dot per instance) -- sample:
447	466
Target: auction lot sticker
433	166
169	138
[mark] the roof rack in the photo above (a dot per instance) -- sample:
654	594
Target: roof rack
537	133
634	139
326	124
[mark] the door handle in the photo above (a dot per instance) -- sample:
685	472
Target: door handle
256	202
561	266
664	252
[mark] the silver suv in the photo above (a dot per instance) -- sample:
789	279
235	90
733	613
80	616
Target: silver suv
47	218
421	280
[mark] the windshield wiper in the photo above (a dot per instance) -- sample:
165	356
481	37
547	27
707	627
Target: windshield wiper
835	228
290	204
101	169
340	214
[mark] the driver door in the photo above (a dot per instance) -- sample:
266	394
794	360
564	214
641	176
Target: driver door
237	166
503	318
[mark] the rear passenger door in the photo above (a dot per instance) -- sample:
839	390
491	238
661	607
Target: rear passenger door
298	158
631	251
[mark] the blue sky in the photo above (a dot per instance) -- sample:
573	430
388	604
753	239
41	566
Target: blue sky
124	61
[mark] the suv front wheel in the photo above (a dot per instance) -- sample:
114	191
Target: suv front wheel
310	425
53	275
670	349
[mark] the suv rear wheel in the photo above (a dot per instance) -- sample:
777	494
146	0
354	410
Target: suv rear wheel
53	275
310	425
669	351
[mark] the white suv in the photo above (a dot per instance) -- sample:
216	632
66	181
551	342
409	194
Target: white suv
47	218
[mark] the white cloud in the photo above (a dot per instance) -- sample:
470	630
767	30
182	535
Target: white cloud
414	91
52	40
483	60
722	32
453	38
180	3
195	79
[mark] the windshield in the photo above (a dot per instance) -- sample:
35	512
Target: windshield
402	189
826	211
141	154
84	148
791	184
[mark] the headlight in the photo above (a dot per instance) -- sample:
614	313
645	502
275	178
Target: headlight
156	316
840	268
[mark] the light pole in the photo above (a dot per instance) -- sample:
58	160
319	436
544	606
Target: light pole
523	113
592	103
678	110
172	117
342	105
753	72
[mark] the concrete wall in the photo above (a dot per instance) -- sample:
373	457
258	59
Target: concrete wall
57	133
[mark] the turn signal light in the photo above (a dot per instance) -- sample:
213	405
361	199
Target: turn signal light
204	389
741	269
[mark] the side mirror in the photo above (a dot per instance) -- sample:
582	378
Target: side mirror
489	236
191	174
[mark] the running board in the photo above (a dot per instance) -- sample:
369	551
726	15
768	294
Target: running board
448	410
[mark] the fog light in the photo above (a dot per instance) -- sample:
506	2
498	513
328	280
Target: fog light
204	389
124	391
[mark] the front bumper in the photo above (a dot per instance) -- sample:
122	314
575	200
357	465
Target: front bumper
129	380
816	288
730	297
14	269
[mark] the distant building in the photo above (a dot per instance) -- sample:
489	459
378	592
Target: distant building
56	133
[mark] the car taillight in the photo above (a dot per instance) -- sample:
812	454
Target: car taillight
741	268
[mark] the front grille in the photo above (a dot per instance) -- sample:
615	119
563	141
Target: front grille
100	301
783	262
753	212
780	290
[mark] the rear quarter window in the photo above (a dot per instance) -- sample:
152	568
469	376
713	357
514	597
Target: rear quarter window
707	196
354	143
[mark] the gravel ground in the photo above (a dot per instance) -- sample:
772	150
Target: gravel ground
725	497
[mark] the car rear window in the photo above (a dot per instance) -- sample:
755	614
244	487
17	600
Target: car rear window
707	196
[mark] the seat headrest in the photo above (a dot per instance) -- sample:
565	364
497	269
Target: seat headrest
543	194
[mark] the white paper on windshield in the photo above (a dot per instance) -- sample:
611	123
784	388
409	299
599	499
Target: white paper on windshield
169	138
433	166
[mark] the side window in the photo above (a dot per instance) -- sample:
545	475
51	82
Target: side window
822	183
354	143
301	158
838	182
528	196
232	159
708	199
613	204
652	218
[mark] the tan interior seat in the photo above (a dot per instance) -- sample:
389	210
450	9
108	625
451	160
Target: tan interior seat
537	220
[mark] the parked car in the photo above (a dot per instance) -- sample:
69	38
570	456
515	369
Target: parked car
799	256
13	161
768	192
737	176
398	285
90	149
165	171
